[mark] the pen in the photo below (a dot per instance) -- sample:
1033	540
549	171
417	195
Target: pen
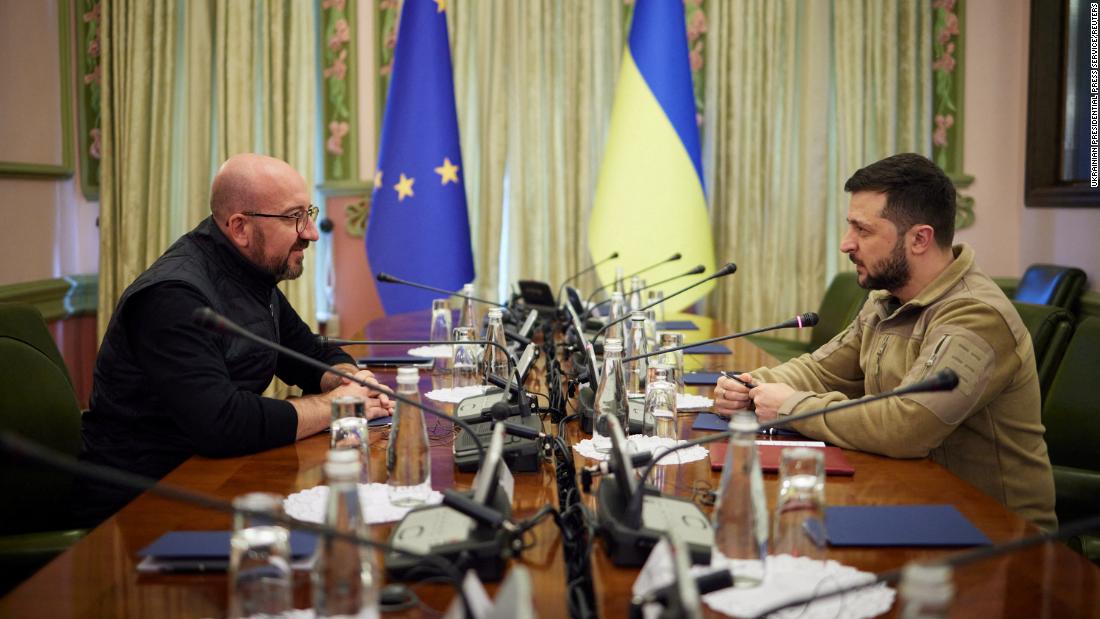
750	385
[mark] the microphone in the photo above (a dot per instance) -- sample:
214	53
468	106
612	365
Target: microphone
698	270
512	365
390	279
609	467
20	446
944	380
808	319
672	258
213	321
476	511
668	595
561	288
728	269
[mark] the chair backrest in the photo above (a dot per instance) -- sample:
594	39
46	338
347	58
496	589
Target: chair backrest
1050	328
842	302
1050	284
1070	413
37	402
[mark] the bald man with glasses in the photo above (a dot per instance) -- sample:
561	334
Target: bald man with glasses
165	389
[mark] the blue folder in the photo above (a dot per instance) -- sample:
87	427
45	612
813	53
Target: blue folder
710	421
677	325
900	525
707	349
701	378
214	545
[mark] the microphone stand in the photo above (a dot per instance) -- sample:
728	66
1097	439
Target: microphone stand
808	319
561	288
214	321
390	279
696	271
729	269
672	258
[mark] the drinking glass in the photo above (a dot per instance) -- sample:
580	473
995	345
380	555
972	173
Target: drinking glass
800	510
660	396
260	581
441	332
349	430
672	339
464	367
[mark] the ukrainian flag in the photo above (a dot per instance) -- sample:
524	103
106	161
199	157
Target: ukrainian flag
650	200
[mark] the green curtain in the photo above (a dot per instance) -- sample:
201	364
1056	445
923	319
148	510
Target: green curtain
533	88
798	96
187	84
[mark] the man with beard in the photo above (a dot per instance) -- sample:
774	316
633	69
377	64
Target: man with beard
166	389
932	308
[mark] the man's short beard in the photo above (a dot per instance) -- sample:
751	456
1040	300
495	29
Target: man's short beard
280	269
892	272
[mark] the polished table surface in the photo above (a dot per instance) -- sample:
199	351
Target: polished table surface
96	578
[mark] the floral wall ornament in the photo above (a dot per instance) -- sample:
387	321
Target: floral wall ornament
90	74
338	77
355	218
947	100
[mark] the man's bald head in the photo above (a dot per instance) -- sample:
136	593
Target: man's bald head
249	181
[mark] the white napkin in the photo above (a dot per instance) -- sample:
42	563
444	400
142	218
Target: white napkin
789	578
309	505
640	443
454	395
434	351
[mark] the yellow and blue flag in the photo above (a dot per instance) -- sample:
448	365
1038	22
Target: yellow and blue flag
650	200
419	228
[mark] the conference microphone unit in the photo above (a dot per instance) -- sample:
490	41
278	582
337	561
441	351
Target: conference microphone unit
672	258
632	515
561	288
682	597
446	530
697	270
213	321
21	447
728	269
1065	531
801	321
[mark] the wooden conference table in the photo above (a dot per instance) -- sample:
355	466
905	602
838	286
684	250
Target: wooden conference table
97	576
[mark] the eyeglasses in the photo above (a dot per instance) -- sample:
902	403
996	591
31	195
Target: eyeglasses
299	217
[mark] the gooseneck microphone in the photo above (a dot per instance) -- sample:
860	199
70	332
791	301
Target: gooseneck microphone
390	279
698	270
672	258
944	380
20	446
561	288
523	405
729	269
209	319
808	319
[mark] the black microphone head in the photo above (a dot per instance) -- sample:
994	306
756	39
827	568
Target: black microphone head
809	319
500	411
714	581
675	257
386	277
699	269
944	380
728	269
613	255
207	318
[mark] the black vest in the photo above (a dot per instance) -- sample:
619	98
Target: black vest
124	411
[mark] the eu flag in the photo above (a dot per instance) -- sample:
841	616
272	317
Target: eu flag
419	229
